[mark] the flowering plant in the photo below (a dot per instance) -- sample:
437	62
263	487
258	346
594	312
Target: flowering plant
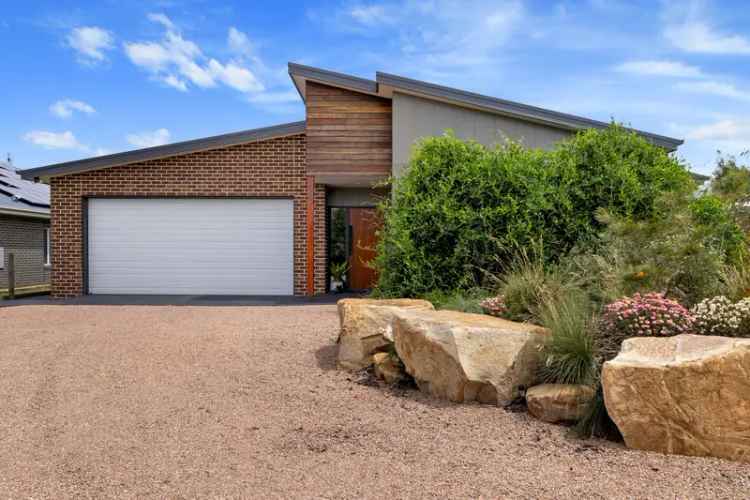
495	306
719	316
649	315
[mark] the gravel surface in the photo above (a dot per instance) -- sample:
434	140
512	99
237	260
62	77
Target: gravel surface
139	401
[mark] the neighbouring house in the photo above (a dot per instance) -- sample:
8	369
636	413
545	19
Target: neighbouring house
250	212
24	229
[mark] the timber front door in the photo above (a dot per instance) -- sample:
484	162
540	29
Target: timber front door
364	224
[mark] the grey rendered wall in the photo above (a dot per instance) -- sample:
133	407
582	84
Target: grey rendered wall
25	239
414	118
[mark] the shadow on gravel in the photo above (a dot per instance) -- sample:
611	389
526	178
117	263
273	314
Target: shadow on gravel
326	356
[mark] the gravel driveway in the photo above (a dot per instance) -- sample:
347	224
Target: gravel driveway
139	401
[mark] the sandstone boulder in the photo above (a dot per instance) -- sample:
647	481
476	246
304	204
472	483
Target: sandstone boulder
555	403
366	328
387	367
687	395
468	357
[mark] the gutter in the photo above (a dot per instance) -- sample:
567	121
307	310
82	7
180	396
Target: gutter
24	213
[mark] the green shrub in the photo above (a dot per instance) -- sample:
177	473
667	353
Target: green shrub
462	210
731	180
568	353
684	251
620	171
599	270
458	300
716	223
731	183
736	279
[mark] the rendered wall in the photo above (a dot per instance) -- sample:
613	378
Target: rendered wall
415	117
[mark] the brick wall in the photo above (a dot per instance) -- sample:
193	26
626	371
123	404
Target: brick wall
271	168
24	237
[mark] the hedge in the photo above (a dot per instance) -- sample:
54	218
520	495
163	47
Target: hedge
463	210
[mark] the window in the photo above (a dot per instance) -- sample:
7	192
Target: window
46	247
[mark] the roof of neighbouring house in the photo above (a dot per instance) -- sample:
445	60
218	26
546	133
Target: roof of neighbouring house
385	84
700	177
21	197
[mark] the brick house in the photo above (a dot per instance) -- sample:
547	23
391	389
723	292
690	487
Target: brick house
24	229
249	213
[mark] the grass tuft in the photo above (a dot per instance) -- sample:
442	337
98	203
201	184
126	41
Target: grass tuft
458	300
569	353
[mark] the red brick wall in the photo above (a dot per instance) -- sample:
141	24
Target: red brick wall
272	168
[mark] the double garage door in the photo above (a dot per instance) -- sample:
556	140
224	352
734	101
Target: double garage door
190	246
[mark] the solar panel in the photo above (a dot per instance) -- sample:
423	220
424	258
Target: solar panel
17	190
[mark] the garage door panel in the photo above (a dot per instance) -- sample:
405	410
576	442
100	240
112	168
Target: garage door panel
191	246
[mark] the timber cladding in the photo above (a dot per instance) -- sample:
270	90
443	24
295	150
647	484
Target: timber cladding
347	132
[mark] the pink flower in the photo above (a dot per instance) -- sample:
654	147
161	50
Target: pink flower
650	314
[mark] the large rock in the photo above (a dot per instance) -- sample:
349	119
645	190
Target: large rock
688	395
366	328
555	403
387	367
468	357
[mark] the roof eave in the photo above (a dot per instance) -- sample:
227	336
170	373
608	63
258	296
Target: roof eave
300	73
165	151
389	83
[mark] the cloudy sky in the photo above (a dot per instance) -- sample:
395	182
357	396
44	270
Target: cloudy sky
87	78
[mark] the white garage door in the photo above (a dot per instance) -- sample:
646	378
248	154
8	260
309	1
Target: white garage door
190	246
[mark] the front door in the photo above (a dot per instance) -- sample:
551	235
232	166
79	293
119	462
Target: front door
364	224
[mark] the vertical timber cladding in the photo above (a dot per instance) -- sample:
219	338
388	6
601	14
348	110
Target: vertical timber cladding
348	132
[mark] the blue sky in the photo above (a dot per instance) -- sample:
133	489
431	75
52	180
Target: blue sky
86	78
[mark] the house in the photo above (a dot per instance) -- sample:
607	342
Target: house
24	228
248	212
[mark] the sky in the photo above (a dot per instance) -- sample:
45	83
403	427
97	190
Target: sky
80	79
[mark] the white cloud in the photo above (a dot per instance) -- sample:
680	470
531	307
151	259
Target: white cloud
204	77
235	76
179	63
723	130
660	68
161	19
149	139
65	108
54	140
90	42
370	15
715	88
696	36
434	39
151	56
175	82
239	42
